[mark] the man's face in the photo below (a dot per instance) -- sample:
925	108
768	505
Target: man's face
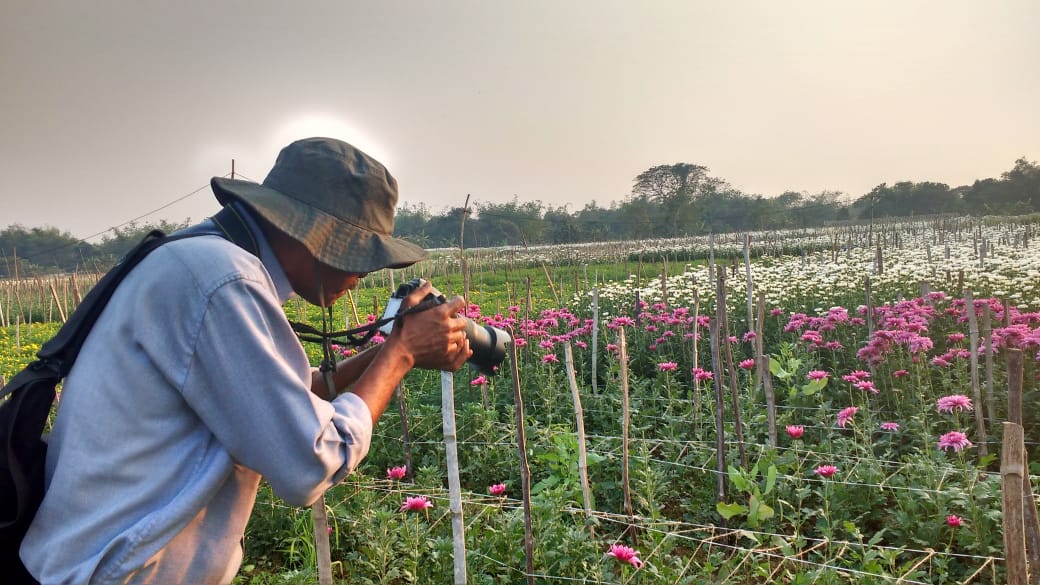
317	283
334	283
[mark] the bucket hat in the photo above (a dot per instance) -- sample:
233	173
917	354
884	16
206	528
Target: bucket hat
334	199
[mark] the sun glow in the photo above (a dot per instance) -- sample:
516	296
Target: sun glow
330	126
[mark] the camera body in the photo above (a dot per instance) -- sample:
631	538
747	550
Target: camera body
488	343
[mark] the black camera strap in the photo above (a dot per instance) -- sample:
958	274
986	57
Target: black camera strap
359	335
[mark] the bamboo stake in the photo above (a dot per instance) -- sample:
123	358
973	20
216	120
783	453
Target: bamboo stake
1031	523
987	336
320	520
579	418
973	360
720	440
595	336
406	440
762	362
525	469
696	332
458	527
626	417
720	312
1012	474
750	290
54	295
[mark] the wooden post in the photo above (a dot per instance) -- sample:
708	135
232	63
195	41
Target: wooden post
579	423
1012	474
458	527
525	469
973	361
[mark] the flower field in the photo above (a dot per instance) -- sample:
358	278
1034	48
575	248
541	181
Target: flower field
870	454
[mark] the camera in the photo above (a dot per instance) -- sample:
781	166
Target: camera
488	343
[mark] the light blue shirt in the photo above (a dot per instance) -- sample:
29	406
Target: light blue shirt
190	387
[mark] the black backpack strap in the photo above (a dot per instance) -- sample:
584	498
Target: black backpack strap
61	350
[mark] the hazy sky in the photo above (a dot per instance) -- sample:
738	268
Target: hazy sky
109	110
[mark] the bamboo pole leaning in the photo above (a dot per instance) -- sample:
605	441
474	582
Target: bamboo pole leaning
579	423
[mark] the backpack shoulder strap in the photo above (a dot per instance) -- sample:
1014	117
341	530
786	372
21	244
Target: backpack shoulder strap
62	349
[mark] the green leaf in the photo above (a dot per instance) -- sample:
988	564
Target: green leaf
770	479
738	479
777	370
728	511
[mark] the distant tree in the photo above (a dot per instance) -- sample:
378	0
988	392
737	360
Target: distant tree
673	187
40	250
1024	181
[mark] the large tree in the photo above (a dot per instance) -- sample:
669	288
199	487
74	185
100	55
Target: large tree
673	187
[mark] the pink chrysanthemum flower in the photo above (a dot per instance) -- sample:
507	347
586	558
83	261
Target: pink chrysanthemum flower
625	554
667	366
890	426
499	489
954	521
846	415
826	470
747	364
550	357
953	402
856	376
702	375
795	431
481	379
612	347
415	504
817	375
867	386
396	473
900	373
955	440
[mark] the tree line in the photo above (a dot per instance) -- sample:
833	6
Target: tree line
665	201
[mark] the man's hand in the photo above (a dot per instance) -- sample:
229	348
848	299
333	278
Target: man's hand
435	338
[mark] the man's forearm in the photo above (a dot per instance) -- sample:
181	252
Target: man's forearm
347	372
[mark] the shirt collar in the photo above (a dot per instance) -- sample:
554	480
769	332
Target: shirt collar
267	255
